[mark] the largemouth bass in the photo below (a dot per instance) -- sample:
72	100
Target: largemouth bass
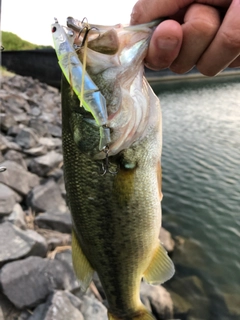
116	216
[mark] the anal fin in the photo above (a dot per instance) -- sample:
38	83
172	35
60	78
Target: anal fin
161	267
82	267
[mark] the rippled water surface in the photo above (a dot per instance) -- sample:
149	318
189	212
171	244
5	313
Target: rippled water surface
201	185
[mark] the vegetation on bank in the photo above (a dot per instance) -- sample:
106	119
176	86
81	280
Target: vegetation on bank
5	73
11	41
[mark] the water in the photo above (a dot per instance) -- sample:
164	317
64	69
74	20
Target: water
201	187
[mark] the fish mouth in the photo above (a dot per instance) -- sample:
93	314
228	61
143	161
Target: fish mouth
113	57
103	38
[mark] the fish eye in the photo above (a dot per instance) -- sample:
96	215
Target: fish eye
128	165
54	29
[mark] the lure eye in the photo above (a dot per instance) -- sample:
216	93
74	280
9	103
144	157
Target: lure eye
54	29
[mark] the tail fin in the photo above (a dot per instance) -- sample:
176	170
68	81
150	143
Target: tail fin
143	314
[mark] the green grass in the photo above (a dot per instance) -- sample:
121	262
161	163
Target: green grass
5	73
11	41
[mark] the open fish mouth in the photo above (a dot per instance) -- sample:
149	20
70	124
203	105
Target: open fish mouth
104	66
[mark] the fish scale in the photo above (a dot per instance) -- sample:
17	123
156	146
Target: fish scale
116	217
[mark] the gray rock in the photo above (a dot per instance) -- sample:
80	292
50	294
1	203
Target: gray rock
225	306
47	197
1	157
158	300
16	156
50	143
75	301
22	118
17	101
13	131
53	220
61	184
28	282
7	143
65	257
17	178
92	309
48	100
56	174
27	138
181	306
37	151
31	101
167	240
24	315
17	217
232	302
7	120
189	253
40	246
39	126
54	130
8	198
7	310
19	243
192	283
55	239
40	311
57	307
47	116
44	164
191	289
35	112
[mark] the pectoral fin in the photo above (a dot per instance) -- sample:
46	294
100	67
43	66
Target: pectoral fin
82	267
161	267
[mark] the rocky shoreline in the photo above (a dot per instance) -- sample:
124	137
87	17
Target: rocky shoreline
37	281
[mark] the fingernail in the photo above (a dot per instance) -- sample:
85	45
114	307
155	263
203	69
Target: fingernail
167	44
151	67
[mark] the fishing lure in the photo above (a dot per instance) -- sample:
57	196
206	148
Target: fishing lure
91	99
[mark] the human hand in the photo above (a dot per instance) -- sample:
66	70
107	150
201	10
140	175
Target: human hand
205	33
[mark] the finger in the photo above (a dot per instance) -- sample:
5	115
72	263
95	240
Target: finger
235	63
201	23
225	48
216	3
145	10
165	45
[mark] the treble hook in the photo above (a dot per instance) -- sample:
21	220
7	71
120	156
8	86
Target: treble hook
84	19
81	30
86	33
106	163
